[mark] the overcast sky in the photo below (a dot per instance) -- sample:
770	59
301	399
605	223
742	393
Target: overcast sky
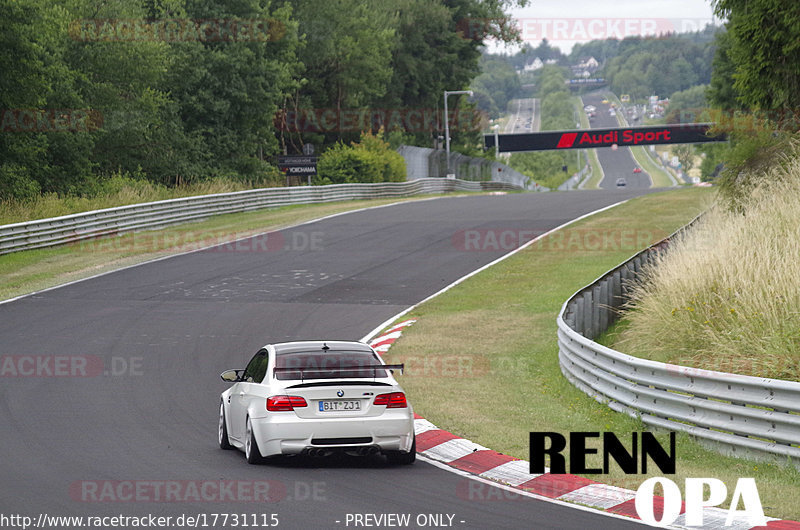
565	22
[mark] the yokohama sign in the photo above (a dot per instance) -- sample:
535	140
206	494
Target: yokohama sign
622	136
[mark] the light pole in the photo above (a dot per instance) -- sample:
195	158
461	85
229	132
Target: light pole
447	124
496	141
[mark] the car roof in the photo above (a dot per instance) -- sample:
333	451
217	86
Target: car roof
311	345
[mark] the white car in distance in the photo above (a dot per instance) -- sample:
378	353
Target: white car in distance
316	398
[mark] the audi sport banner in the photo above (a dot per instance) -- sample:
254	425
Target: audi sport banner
686	133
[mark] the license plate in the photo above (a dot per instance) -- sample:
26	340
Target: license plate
339	404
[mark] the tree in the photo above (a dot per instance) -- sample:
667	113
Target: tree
685	154
228	92
721	91
686	105
765	51
645	66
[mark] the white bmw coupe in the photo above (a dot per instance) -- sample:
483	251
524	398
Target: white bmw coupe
316	398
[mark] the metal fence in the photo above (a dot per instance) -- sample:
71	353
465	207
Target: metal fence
576	180
739	415
423	162
98	223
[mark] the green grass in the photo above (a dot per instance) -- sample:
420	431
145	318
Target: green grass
658	174
483	356
597	171
32	270
577	102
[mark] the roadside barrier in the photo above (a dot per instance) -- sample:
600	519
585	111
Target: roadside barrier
111	221
739	415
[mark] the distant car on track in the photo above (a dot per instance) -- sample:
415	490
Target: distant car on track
316	398
637	170
621	182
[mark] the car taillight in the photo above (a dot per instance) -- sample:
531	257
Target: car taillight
393	400
285	403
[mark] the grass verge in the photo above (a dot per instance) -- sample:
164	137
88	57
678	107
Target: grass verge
116	191
483	360
659	176
33	270
597	171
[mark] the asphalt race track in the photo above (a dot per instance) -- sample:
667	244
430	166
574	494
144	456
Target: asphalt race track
616	163
140	352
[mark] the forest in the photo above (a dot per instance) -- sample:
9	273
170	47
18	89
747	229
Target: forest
177	91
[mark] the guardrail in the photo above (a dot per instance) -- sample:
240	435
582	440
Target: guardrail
423	162
111	221
740	415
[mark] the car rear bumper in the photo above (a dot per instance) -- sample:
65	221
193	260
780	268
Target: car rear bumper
285	433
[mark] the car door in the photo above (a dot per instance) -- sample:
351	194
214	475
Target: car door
243	392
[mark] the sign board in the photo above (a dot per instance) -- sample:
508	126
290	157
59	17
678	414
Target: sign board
298	168
298	165
686	133
586	81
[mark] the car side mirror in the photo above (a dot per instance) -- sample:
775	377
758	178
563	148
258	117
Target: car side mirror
231	376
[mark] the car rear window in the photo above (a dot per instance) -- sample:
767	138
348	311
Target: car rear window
328	365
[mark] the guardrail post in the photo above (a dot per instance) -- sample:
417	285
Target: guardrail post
587	314
577	315
616	290
604	305
596	312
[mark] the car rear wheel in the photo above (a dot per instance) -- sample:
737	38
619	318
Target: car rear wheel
251	446
403	459
224	442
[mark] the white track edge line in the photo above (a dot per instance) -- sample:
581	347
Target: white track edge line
154	260
484	267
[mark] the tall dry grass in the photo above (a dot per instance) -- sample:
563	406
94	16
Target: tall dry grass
727	295
117	191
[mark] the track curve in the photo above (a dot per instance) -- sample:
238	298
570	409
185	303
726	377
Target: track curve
164	331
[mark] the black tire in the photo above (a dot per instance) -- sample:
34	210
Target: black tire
251	446
403	459
222	431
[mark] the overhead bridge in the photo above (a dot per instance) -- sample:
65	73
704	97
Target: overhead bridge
686	133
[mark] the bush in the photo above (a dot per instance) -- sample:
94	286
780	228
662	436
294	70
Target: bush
16	183
758	152
370	160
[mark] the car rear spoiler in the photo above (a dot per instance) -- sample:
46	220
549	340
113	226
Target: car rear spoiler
374	369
